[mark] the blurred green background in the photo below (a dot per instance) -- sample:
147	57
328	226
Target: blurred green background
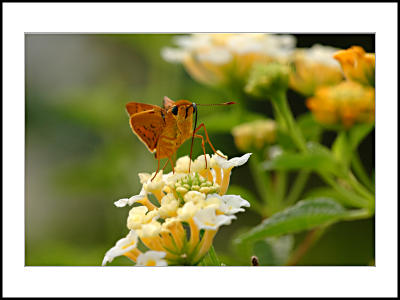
81	155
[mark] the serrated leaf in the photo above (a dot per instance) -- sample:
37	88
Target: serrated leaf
305	215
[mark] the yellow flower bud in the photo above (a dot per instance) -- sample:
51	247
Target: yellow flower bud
254	134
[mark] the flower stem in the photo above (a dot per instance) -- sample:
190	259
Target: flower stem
312	237
281	183
281	108
361	173
262	180
297	187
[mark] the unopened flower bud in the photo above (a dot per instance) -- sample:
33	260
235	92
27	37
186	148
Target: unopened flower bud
267	80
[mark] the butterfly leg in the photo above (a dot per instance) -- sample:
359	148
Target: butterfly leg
158	168
172	165
208	139
202	145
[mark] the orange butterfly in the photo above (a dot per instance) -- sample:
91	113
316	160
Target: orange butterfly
163	130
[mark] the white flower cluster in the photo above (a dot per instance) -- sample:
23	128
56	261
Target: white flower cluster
196	199
215	58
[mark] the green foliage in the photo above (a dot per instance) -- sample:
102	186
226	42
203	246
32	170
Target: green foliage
305	215
210	259
274	251
318	159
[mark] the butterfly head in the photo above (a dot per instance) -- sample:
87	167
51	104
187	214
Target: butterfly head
183	109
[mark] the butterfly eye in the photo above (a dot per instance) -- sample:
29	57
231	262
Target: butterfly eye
175	110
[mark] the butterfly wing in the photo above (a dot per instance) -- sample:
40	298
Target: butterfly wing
148	126
135	107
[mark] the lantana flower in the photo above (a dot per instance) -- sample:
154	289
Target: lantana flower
179	229
221	58
314	67
346	103
357	65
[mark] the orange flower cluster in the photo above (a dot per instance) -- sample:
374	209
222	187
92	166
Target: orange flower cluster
347	103
353	100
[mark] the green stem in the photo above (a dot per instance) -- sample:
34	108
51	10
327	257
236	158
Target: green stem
262	180
361	173
280	119
312	237
358	214
281	183
359	188
350	197
297	187
282	108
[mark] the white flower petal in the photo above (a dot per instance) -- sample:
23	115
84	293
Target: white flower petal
153	258
233	162
121	202
233	204
322	54
121	246
129	201
207	219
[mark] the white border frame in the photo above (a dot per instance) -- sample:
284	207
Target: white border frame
19	18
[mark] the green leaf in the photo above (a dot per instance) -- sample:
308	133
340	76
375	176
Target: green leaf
295	161
327	192
274	251
305	215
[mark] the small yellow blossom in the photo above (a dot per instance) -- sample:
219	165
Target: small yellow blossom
357	65
346	103
314	67
219	58
196	199
256	134
168	206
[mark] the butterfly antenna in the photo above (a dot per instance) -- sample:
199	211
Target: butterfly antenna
194	128
214	104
